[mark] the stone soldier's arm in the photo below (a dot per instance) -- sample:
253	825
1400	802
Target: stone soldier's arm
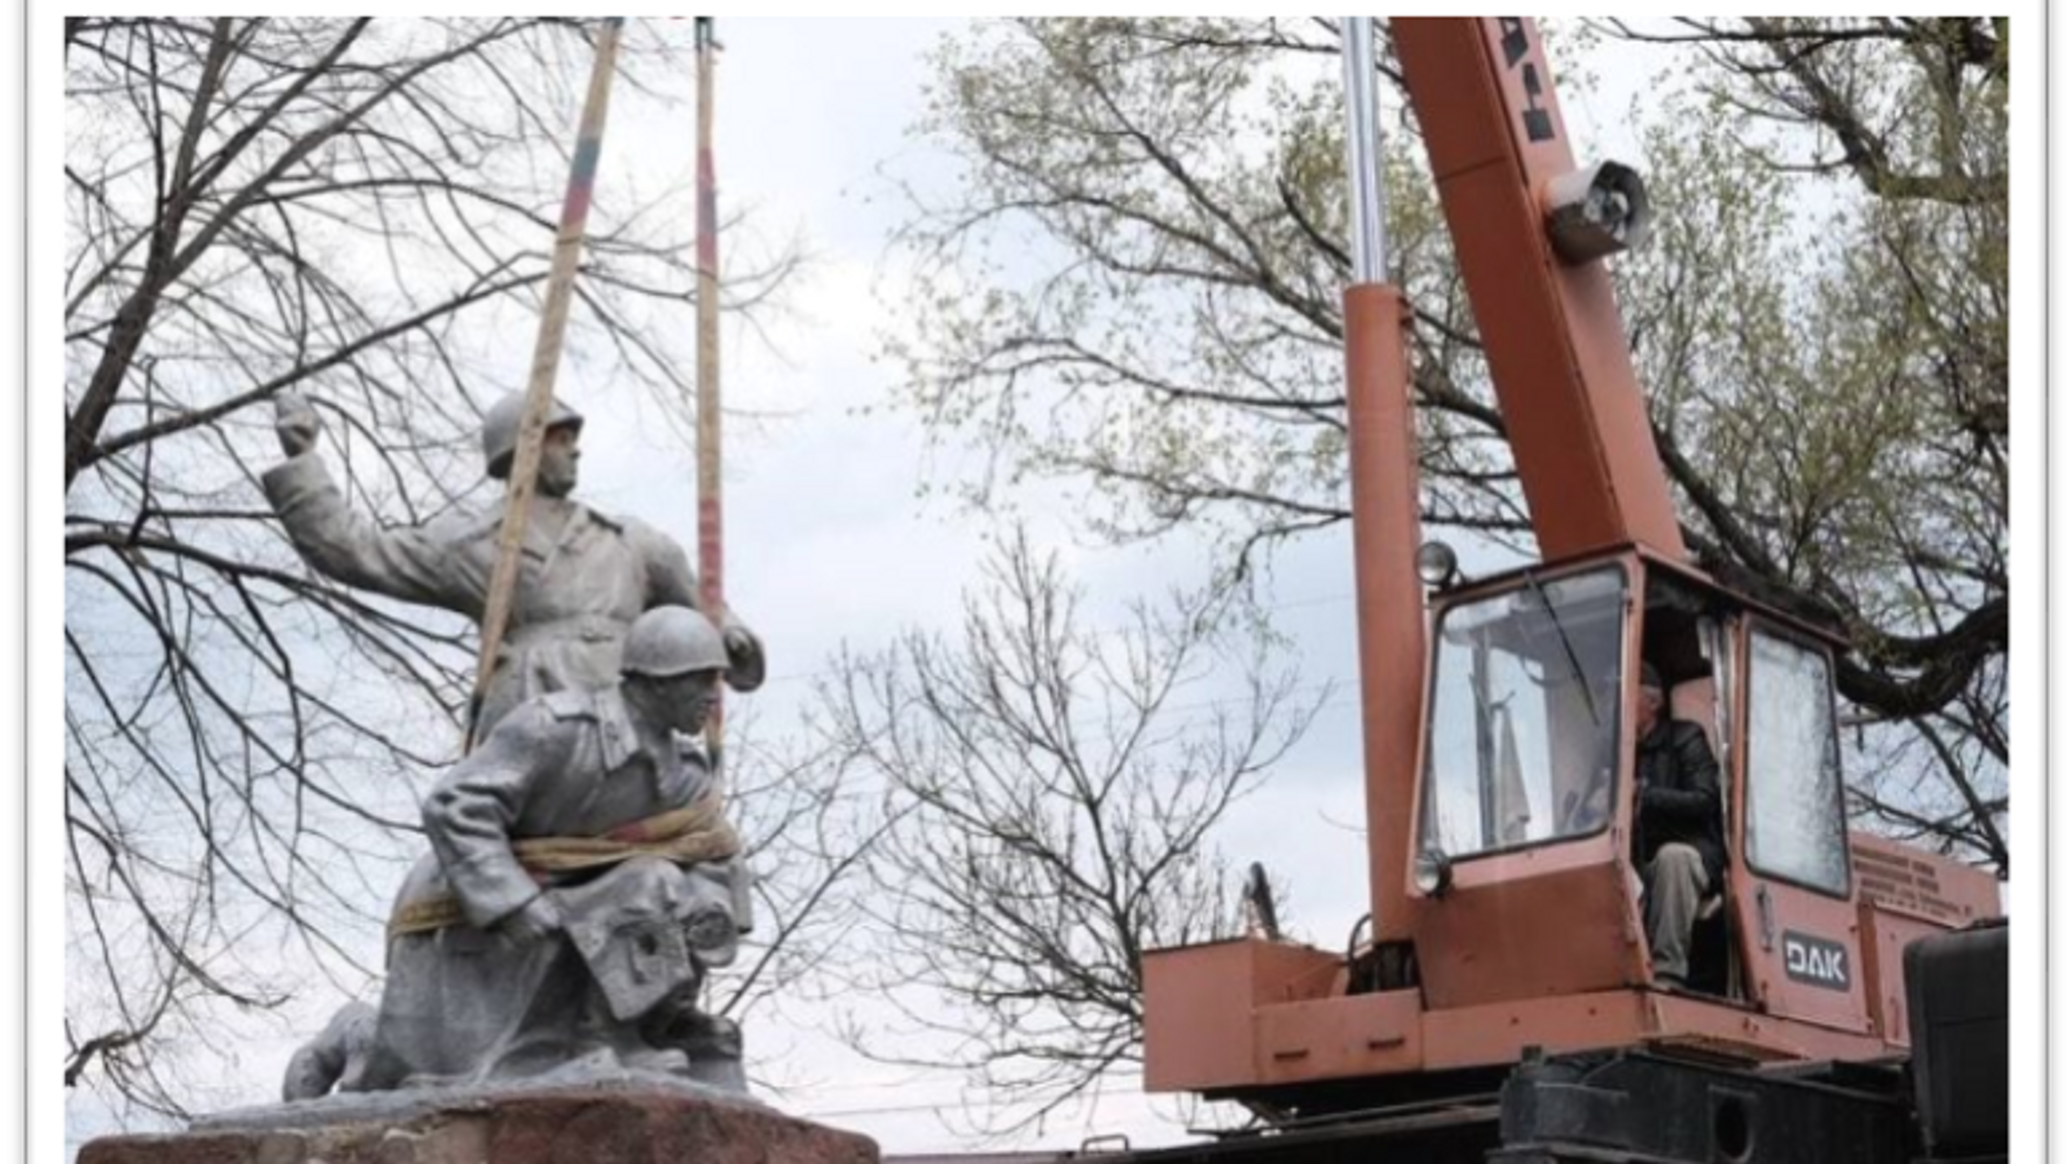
471	815
672	582
424	564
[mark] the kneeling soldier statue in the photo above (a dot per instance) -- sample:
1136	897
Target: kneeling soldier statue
581	882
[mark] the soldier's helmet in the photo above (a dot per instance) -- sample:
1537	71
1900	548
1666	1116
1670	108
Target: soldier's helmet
673	640
500	430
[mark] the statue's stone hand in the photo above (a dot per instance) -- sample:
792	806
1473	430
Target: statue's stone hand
739	642
538	920
296	422
337	1056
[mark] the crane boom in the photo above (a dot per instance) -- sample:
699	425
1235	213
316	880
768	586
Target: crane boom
1573	411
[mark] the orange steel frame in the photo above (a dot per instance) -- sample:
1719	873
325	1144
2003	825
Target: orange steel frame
1573	410
1541	946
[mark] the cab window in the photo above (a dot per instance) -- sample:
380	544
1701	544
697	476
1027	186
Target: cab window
1795	828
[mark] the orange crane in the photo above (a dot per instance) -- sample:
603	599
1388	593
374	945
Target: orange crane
1503	1000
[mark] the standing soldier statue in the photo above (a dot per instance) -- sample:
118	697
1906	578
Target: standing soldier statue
584	577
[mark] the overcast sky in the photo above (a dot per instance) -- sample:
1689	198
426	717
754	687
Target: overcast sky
826	538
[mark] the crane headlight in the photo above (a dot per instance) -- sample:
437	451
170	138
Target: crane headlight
1597	211
1436	564
1433	873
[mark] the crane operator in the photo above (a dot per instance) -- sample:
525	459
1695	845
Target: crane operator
1677	838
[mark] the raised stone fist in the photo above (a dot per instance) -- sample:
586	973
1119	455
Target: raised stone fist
296	422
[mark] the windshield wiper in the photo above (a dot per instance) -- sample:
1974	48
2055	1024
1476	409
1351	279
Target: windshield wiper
1575	666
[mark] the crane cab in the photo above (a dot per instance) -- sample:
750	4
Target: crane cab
1517	918
1528	876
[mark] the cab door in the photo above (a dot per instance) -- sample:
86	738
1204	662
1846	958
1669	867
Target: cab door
1788	861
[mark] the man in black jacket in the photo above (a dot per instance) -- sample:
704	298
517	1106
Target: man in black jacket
1677	842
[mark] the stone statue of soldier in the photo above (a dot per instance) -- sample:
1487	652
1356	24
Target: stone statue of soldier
584	577
582	879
